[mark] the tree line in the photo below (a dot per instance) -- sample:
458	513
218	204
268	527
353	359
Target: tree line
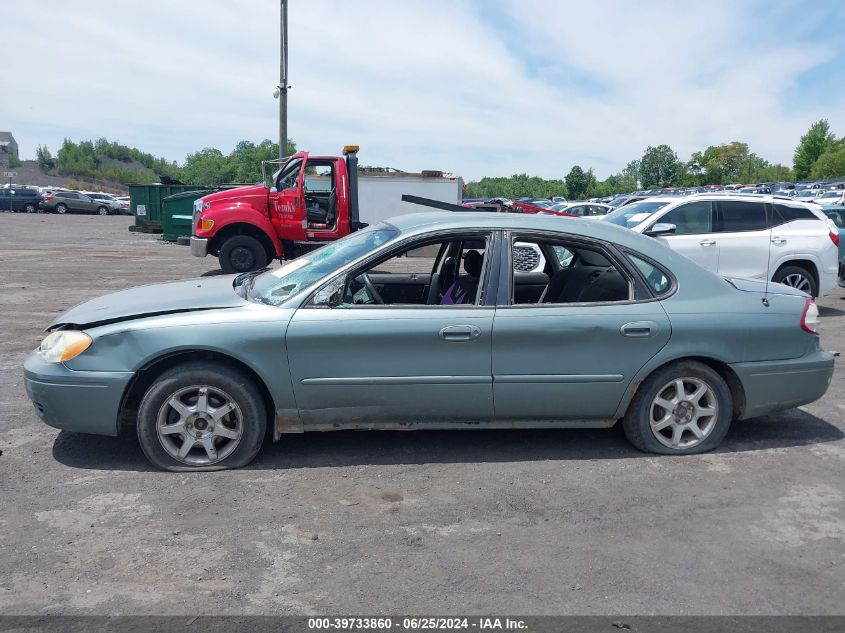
819	155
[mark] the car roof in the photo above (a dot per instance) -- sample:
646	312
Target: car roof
417	223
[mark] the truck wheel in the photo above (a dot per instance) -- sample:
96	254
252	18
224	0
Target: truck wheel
201	416
241	254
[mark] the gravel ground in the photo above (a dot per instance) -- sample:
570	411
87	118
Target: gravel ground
523	522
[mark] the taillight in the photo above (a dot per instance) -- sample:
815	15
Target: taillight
48	197
834	237
810	317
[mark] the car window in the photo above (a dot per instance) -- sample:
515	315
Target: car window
783	213
838	218
738	216
635	213
289	176
563	254
586	275
691	218
444	273
656	279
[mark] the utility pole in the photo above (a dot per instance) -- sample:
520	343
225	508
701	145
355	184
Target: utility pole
283	81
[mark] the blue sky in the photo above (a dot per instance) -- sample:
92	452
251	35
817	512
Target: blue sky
475	87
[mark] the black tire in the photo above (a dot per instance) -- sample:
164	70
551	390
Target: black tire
60	208
637	420
216	376
29	207
797	277
241	254
102	210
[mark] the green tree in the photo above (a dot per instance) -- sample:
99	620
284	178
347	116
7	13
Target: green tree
207	167
831	164
577	183
658	166
43	157
811	146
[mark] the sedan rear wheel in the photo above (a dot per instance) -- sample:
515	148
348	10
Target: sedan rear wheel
682	408
60	208
201	416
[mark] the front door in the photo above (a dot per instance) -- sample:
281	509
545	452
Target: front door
287	203
572	355
390	355
693	235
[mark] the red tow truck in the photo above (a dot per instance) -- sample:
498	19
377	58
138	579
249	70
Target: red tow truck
312	200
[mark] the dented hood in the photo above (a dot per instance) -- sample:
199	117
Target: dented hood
144	301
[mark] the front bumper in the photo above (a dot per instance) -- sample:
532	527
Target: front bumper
79	401
199	246
782	384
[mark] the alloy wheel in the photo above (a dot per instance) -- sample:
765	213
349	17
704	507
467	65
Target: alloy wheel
683	413
797	280
199	425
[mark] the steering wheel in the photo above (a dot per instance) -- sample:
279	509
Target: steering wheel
371	289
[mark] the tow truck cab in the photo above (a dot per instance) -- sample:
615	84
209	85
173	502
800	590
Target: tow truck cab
312	200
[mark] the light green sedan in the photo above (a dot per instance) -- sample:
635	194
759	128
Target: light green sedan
423	322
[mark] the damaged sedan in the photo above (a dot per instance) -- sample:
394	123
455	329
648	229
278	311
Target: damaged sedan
424	322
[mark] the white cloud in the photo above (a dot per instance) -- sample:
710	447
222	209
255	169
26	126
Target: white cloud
471	87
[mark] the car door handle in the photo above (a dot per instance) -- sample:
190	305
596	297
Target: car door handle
457	333
707	242
778	240
637	328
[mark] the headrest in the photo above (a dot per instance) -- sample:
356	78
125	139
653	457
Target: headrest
472	263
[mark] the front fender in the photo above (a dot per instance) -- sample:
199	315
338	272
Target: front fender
238	213
253	335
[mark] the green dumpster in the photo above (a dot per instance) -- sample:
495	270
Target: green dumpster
177	213
145	204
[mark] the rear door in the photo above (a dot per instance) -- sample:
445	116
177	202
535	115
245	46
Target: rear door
744	237
574	360
693	235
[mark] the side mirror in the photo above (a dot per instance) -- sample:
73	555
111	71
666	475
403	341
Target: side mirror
330	294
661	228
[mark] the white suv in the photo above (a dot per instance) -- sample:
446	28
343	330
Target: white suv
756	237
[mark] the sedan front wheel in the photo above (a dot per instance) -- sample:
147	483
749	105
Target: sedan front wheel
201	416
680	409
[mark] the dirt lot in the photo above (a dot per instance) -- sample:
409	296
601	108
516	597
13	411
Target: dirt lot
551	522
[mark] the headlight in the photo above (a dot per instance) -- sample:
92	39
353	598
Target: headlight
61	346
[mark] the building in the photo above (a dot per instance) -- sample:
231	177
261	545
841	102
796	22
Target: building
8	146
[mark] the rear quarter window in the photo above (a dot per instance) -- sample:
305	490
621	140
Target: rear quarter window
783	213
656	279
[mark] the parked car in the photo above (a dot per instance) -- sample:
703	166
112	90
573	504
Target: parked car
19	198
75	202
438	332
837	216
582	209
833	197
124	204
754	237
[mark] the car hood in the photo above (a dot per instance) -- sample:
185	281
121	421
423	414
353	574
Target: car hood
761	287
239	193
156	299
